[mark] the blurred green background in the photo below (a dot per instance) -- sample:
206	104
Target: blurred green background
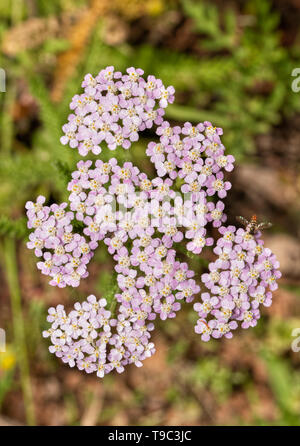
230	63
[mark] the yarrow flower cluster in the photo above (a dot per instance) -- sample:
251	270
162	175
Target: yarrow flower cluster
114	108
84	337
143	223
239	282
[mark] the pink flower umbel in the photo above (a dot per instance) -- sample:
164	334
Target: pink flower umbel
239	284
144	224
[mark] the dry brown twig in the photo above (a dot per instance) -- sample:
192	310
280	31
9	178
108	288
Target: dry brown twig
78	36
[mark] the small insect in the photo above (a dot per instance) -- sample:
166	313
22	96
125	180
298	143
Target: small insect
252	226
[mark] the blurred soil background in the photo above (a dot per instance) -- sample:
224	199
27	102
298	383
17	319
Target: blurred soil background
231	63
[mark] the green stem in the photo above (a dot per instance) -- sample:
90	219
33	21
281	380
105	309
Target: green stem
16	12
10	261
7	119
112	306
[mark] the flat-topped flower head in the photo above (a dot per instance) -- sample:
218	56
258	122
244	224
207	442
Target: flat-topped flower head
239	284
144	223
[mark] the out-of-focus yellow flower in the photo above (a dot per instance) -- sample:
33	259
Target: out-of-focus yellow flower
155	7
7	360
